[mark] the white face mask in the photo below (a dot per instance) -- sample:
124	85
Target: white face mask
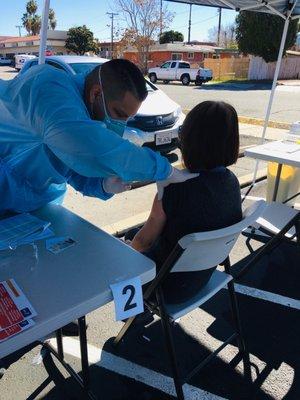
116	125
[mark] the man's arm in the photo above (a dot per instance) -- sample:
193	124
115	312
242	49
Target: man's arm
152	229
92	187
49	101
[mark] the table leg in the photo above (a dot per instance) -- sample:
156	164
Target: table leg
59	341
84	352
277	180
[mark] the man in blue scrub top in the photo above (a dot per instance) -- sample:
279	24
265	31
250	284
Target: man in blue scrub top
57	129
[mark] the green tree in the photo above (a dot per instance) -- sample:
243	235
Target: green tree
80	40
32	21
170	37
260	34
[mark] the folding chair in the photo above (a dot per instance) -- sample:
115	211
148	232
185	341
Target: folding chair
274	219
196	252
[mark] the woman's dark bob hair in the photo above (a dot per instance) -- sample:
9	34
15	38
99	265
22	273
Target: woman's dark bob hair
210	136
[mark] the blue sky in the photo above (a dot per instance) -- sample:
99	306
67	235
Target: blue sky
93	14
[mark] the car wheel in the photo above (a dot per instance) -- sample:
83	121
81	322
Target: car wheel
153	78
166	81
185	80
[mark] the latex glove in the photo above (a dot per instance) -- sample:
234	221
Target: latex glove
114	185
176	176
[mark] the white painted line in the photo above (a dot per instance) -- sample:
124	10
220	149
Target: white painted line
119	365
268	296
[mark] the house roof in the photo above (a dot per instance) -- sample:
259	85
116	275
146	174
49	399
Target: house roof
2	37
18	39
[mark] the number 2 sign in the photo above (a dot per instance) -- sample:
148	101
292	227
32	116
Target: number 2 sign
128	298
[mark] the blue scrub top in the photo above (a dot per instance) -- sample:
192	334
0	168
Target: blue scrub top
47	139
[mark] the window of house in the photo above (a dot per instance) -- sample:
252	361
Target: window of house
176	56
190	56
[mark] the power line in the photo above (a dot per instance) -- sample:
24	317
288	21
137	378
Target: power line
196	22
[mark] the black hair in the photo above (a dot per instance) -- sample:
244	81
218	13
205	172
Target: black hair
117	77
210	136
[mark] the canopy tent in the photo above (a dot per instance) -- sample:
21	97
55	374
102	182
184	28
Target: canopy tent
286	9
283	8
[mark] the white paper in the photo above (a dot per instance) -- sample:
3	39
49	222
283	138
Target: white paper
128	298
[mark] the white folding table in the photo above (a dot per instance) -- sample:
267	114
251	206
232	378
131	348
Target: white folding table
66	286
279	152
286	218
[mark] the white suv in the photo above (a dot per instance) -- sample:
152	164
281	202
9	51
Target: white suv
157	122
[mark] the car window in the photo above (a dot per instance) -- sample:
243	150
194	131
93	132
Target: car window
80	68
173	65
166	65
184	65
56	65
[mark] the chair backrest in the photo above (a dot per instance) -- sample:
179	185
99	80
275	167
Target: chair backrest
205	250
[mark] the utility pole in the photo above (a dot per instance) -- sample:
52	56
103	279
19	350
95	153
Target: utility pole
111	16
190	23
160	19
19	27
219	26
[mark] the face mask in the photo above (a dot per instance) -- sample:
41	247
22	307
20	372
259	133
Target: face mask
116	125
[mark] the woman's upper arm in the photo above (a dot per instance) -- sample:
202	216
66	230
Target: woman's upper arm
152	228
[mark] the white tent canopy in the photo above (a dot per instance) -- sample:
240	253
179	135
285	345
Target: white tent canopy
283	8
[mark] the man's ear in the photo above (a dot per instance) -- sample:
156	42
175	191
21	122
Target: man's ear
94	92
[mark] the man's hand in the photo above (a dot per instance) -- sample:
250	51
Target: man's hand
114	185
176	176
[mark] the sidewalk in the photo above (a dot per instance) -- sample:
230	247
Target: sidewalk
289	82
256	131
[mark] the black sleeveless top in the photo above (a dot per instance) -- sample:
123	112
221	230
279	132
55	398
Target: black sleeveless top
208	202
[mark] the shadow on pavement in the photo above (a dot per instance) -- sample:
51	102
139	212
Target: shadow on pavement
236	87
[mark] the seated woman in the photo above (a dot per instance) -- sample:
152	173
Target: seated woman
209	144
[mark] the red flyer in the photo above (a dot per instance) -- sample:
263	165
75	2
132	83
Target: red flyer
14	305
13	330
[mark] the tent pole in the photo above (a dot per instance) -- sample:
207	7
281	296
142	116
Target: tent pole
43	32
276	74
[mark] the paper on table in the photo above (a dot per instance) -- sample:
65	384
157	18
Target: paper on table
21	229
15	329
14	305
283	147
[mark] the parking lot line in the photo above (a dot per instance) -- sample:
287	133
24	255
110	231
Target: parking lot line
268	296
103	359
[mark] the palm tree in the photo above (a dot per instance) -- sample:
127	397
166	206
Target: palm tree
52	20
32	22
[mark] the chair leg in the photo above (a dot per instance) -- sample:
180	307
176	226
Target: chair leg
238	327
165	322
123	331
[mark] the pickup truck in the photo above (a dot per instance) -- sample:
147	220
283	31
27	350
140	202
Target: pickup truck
179	71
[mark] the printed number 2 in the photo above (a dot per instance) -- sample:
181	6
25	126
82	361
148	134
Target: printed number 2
129	305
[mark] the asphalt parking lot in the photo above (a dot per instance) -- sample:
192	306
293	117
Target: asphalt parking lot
138	370
249	99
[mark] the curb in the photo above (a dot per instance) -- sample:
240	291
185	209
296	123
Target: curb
259	121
